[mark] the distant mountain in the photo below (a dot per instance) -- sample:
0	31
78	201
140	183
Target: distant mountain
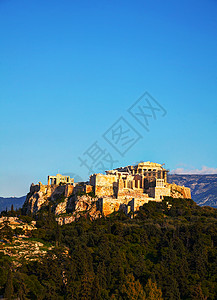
7	202
203	187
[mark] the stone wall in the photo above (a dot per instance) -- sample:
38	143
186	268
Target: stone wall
88	189
130	193
187	192
68	190
104	185
137	203
109	205
161	192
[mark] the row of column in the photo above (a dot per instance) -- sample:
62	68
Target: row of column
134	184
163	174
51	180
139	183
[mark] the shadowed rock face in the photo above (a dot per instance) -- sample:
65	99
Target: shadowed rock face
62	200
203	187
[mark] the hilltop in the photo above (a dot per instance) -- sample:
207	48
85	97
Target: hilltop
203	190
125	188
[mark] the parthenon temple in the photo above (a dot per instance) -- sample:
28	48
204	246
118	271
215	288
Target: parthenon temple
145	178
147	173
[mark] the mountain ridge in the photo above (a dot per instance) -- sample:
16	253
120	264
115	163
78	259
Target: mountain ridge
6	202
203	187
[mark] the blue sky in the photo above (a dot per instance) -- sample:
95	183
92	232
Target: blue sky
70	69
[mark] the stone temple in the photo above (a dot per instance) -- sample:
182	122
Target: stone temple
59	179
132	186
145	179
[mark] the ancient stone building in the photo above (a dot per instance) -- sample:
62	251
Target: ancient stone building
126	188
144	178
130	187
56	180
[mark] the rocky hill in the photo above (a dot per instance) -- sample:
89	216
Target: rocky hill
203	187
69	202
63	201
203	191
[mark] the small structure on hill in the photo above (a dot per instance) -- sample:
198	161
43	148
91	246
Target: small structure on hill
58	179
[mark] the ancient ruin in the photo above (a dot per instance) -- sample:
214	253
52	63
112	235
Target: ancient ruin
130	187
125	188
59	179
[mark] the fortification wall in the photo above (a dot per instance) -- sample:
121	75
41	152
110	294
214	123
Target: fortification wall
101	191
68	190
103	184
137	203
161	192
132	193
105	180
109	205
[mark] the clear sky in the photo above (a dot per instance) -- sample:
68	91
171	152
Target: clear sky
69	70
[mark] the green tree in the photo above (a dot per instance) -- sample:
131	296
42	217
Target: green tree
197	293
58	235
152	291
9	289
86	287
132	289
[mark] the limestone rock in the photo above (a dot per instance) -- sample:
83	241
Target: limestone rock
61	207
73	205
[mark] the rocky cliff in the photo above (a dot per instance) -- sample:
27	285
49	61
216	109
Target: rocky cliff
65	203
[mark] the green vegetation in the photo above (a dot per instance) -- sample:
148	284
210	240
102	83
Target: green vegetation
82	193
167	251
91	194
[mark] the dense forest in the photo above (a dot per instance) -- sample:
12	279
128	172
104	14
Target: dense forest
167	250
